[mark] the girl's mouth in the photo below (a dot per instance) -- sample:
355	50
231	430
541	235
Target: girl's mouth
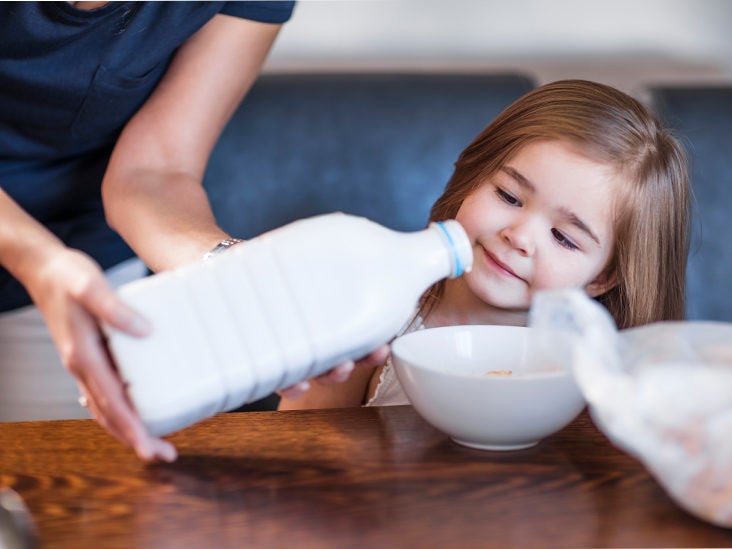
499	266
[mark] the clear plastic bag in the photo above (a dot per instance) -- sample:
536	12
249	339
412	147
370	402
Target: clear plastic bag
662	392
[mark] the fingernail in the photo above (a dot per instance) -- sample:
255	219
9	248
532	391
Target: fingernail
124	318
139	325
167	451
343	371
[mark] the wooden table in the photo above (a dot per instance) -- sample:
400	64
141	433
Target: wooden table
365	477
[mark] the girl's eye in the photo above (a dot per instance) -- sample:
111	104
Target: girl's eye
508	198
563	240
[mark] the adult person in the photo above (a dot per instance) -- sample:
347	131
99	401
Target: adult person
108	115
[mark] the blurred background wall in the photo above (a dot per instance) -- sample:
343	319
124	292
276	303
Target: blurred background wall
626	43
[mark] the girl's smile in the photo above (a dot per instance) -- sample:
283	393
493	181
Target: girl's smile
499	266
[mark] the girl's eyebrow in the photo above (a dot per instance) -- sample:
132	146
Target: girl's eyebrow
577	222
519	177
569	215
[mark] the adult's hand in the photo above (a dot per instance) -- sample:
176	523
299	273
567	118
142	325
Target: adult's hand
339	374
72	294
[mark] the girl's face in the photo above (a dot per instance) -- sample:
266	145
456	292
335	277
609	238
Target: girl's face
543	221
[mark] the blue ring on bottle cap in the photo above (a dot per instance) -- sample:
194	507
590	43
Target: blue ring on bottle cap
458	263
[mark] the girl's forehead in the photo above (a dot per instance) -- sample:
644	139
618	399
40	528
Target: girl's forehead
557	161
572	147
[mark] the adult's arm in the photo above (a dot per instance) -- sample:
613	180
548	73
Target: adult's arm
152	191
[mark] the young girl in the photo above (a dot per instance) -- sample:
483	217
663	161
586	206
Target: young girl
574	185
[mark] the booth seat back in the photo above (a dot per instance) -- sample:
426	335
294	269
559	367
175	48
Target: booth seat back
702	118
377	145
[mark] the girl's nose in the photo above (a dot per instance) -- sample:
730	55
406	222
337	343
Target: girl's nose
519	238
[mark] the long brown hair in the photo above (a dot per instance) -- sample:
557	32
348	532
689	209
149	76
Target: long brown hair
652	212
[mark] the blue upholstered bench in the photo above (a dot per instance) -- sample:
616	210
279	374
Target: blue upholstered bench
702	117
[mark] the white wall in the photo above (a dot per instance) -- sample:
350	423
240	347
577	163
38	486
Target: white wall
622	42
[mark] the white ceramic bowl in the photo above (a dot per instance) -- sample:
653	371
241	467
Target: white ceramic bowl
458	379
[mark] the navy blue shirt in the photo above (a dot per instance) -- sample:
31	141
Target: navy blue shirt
70	80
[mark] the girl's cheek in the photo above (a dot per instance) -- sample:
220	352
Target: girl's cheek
550	277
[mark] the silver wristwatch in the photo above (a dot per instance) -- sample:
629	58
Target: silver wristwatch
220	247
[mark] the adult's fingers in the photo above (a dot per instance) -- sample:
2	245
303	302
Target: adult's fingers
296	391
343	371
117	417
339	373
101	301
335	375
108	401
375	358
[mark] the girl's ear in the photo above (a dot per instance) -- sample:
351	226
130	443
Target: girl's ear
604	282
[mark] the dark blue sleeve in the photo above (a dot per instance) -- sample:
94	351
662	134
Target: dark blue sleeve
266	12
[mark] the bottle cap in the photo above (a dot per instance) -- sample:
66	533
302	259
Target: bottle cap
459	243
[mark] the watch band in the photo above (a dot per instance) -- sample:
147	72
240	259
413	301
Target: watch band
220	247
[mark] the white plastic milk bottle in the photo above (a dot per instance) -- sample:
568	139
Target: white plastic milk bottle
268	313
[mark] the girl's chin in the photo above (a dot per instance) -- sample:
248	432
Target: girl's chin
505	301
501	293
